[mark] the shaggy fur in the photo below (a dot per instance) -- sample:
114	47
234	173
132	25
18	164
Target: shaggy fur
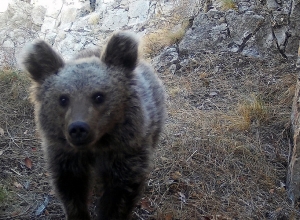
97	115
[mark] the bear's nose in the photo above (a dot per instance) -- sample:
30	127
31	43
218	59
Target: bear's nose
79	132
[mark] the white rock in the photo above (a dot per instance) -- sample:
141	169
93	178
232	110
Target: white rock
80	24
68	15
54	8
60	36
38	14
115	20
48	25
212	94
4	5
20	40
138	12
8	44
50	37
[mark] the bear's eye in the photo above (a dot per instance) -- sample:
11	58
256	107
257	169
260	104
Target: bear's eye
63	100
98	98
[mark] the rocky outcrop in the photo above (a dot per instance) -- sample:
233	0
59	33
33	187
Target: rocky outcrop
68	25
251	29
19	24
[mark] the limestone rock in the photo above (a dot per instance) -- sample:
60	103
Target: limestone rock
38	14
54	8
294	29
209	32
138	12
249	29
115	20
167	59
8	43
48	25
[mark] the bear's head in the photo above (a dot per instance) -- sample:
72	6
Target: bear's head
79	101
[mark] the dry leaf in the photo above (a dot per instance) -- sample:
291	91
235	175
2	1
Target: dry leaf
52	192
1	132
28	163
46	212
25	132
15	213
146	205
164	158
17	185
176	175
1	152
169	216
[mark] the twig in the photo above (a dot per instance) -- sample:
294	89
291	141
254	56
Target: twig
191	156
138	215
11	136
15	171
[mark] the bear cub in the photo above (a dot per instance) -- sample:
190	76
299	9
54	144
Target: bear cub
99	117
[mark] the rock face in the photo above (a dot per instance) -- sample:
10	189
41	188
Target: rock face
251	28
18	24
68	25
247	29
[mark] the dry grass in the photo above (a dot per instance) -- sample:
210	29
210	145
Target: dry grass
223	154
228	4
248	112
154	42
170	28
21	187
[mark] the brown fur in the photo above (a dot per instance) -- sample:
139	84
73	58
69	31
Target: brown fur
99	115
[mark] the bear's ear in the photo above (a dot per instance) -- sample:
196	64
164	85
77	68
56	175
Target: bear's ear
40	60
121	51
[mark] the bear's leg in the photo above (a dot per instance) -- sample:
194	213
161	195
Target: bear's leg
71	179
118	200
122	183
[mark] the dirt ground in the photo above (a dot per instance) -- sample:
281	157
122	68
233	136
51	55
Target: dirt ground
223	154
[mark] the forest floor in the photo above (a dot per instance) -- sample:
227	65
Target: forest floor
223	154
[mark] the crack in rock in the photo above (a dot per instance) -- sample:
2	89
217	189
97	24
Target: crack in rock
248	37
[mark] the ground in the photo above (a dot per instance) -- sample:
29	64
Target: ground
223	154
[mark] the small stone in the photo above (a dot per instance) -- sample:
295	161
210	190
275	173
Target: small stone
8	43
212	94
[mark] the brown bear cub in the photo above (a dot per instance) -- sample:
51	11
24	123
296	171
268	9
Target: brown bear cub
99	115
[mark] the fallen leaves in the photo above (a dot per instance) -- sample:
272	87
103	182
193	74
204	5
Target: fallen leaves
28	163
215	217
18	185
169	216
146	205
